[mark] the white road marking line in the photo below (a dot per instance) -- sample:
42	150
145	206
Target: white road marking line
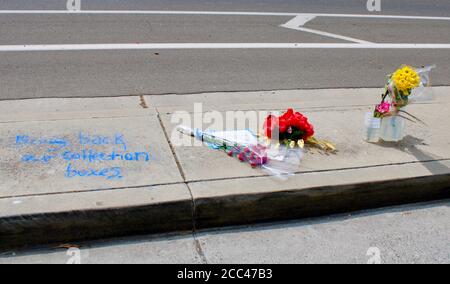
163	46
398	17
333	35
147	12
230	13
299	21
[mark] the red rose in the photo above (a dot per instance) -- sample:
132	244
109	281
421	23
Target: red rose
283	125
289	126
288	114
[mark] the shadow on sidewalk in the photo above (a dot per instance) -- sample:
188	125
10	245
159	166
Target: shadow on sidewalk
409	145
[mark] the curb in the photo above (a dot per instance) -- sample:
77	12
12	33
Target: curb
318	201
19	232
24	231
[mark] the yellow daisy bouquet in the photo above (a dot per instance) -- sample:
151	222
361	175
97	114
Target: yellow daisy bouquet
399	89
387	120
404	80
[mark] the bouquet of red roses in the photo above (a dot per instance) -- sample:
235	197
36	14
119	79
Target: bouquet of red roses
291	126
293	129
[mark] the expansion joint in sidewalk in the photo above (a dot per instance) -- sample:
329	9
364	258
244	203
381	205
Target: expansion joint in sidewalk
198	246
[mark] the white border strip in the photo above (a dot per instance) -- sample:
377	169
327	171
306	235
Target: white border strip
163	46
222	13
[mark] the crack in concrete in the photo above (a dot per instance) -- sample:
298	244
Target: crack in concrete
197	244
166	135
143	103
200	251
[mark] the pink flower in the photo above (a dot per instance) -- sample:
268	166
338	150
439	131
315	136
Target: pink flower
289	130
384	108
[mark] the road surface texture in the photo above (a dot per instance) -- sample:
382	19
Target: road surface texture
406	234
123	72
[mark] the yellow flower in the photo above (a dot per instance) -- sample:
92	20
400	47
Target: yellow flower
405	79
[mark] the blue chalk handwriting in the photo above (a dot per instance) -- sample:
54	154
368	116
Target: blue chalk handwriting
95	156
29	158
85	150
108	173
97	140
52	144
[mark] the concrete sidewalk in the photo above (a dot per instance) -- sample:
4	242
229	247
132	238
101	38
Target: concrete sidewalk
77	169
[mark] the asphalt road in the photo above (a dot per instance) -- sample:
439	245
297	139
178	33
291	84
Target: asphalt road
134	72
399	7
405	234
